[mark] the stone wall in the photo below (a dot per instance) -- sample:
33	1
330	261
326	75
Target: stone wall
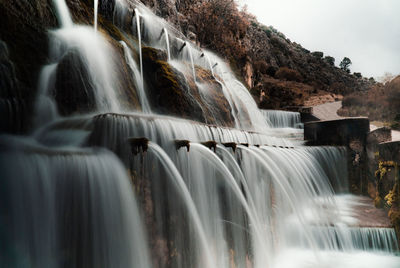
387	181
351	133
337	132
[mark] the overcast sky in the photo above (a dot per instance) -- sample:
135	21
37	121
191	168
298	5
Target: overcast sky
366	31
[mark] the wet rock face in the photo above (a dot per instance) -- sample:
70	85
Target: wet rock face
210	95
106	8
13	109
8	80
23	51
166	86
170	93
73	91
23	27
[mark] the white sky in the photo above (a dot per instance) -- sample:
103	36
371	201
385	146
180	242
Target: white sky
366	31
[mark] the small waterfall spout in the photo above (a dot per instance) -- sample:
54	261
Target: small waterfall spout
96	7
139	36
167	43
63	13
144	103
189	47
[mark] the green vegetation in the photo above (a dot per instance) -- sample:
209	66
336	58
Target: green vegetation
318	54
330	60
345	64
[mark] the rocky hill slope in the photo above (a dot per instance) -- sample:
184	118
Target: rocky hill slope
278	72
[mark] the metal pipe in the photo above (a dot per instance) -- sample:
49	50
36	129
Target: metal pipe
230	145
137	144
182	143
184	44
212	145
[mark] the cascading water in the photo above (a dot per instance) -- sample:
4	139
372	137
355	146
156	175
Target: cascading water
258	200
67	207
282	119
189	48
180	184
70	39
45	107
167	43
144	103
63	13
96	7
139	36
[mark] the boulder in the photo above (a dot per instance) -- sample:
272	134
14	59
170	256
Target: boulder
170	93
73	92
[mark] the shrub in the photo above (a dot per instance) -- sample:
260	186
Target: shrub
358	75
318	54
260	66
271	71
285	73
352	100
330	60
220	26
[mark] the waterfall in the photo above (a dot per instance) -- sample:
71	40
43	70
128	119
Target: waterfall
63	13
117	188
137	16
144	103
261	256
189	48
119	14
282	119
73	204
96	6
167	43
180	184
248	116
45	106
90	46
210	65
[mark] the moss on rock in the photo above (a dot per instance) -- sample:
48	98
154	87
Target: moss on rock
167	87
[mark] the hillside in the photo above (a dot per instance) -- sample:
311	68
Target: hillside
278	72
381	103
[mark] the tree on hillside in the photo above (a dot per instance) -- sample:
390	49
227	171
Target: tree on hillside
345	63
220	25
330	60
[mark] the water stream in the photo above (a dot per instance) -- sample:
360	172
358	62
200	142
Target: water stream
117	188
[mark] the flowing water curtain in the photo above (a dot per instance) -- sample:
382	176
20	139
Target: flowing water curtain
73	208
282	119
